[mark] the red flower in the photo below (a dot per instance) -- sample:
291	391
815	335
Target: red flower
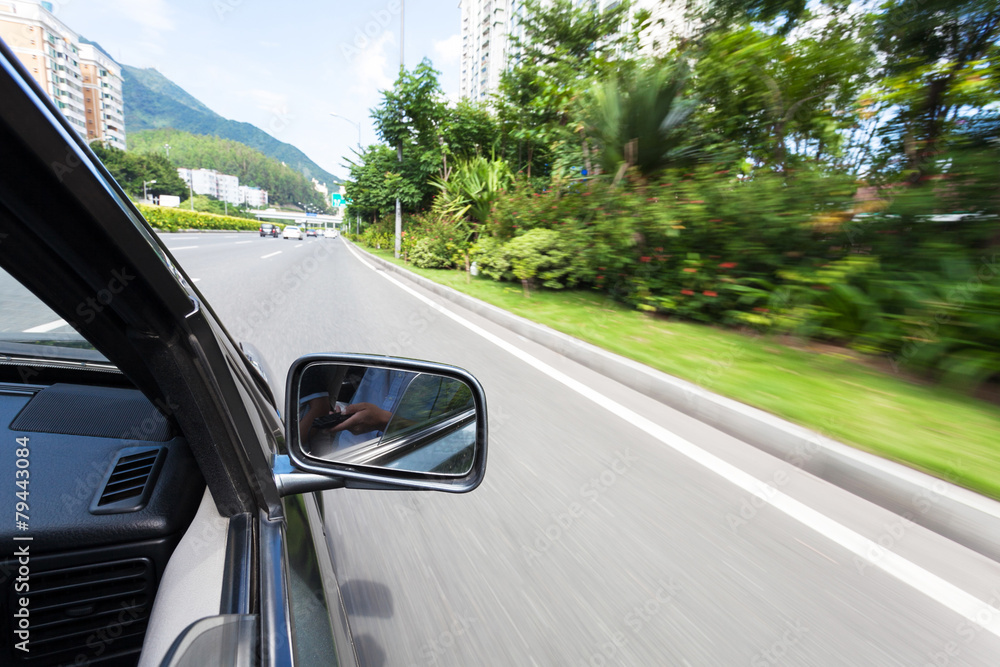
687	292
690	270
728	265
709	293
644	259
762	310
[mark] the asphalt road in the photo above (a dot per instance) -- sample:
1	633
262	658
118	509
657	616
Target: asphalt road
610	530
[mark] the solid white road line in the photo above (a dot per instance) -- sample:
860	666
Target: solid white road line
944	592
242	242
270	255
45	328
183	247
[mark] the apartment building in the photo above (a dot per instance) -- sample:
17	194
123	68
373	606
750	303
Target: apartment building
252	197
223	187
488	28
83	83
102	97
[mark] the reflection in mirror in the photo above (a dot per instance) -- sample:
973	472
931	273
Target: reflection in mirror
388	418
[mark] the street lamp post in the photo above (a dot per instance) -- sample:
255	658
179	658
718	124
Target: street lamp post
166	147
358	225
399	149
144	184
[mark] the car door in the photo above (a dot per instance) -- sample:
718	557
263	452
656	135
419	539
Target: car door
69	235
244	574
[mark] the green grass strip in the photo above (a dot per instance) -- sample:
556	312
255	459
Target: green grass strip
935	429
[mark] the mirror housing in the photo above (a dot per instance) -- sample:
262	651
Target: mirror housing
392	455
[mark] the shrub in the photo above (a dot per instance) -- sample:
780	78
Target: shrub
542	254
428	253
174	219
491	258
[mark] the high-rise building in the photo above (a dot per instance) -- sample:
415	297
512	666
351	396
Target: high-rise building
102	97
489	26
486	29
69	71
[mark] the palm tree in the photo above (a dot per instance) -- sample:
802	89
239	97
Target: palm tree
636	120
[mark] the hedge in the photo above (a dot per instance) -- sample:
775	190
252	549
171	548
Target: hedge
176	219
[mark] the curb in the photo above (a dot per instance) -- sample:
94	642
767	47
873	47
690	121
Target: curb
957	513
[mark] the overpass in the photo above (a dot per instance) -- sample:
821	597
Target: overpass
300	218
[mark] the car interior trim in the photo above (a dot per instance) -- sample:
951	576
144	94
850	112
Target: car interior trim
276	618
240	573
191	586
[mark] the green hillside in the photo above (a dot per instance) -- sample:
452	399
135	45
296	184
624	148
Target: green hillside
152	102
283	184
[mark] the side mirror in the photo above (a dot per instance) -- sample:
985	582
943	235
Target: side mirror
380	422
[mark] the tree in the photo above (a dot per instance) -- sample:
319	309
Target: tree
376	181
942	62
284	185
411	117
636	120
564	46
131	170
779	98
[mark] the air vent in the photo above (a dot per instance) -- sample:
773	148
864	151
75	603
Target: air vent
83	613
129	482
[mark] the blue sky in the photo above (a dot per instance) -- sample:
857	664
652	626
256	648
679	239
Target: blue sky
280	66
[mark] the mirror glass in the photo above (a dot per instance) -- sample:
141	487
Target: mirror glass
386	418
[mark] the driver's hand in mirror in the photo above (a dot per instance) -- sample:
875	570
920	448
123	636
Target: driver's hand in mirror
365	417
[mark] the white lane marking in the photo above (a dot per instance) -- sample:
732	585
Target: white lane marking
195	279
183	247
242	242
270	255
944	592
297	246
45	328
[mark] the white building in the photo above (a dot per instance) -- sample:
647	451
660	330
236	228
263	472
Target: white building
320	188
253	197
228	188
223	187
487	28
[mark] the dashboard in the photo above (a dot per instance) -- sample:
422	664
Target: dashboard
97	488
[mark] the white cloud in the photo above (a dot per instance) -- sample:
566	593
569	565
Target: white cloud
370	66
448	50
151	14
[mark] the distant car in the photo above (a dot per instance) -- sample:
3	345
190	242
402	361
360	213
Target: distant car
312	232
292	232
267	229
330	233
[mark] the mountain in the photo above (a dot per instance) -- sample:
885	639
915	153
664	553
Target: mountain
152	101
